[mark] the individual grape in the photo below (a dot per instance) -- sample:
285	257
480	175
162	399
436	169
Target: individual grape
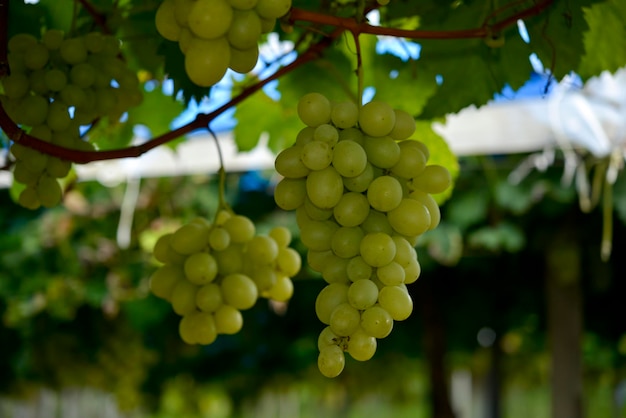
239	291
324	187
230	260
201	268
344	115
404	126
331	296
377	249
289	261
272	9
209	297
282	289
219	238
58	117
346	241
431	205
361	346
362	294
165	20
315	213
326	133
377	118
23	175
344	319
240	228
317	259
16	85
243	61
328	338
391	274
228	320
290	194
397	301
29	198
207	60
331	361
281	234
262	249
32	110
289	164
317	235
384	193
349	158
352	209
316	155
433	179
314	108
183	297
83	75
376	322
73	50
36	57
383	152
412	271
52	39
49	191
55	79
189	239
245	29
361	182
205	328
358	269
412	161
410	218
334	270
210	19
163	280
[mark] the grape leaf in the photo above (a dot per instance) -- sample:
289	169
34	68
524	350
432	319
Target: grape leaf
607	29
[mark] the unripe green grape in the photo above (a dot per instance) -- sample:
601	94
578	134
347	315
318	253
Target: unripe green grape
164	279
262	250
163	251
361	182
346	241
58	118
243	61
304	136
317	259
111	47
16	85
58	168
36	57
184	297
21	42
240	228
352	209
412	271
210	19
328	338
289	164
206	61
267	25
326	133
289	261
55	79
316	155
397	301
377	222
201	268
106	100
243	4
186	330
405	252
189	239
281	234
37	81
431	205
314	109
33	110
331	361
410	218
433	179
73	95
377	249
352	134
331	296
239	291
83	75
377	118
282	290
334	270
384	193
182	8
344	115
219	238
324	187
376	322
230	260
290	194
245	29
228	320
165	20
222	216
361	346
344	319
94	42
205	328
358	269
317	235
382	152
29	198
263	276
73	50
315	213
391	274
49	191
349	158
412	160
272	9
362	294
23	175
52	38
404	126
209	297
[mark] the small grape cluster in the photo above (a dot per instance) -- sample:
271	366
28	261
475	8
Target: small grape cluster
361	190
215	35
58	84
213	271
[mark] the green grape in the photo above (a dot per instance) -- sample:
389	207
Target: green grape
210	19
412	271
36	57
219	238
377	119
105	100
204	326
209	297
361	346
189	239
162	249
383	152
289	261
433	179
243	4
384	193
200	268
21	42
181	11
326	133
165	20
331	361
243	61
305	135
281	234
352	209
272	9
183	297
404	126
317	235
289	164
16	85
317	259
362	294
264	277
405	253
411	218
228	320
431	205
83	75
206	61
315	213
328	338
73	96
186	329
58	118
52	39
49	191
391	274
377	222
282	289
23	175
38	84
376	322
331	296
290	194
245	29
240	228
29	198
412	160
230	260
33	110
58	168
346	241
55	79
239	291
344	319
349	158
324	187
94	42
377	249
397	301
164	279
313	109
351	134
316	155
73	50
262	250
334	270
361	182
358	269
344	114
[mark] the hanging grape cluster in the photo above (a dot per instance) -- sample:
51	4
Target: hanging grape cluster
213	271
361	190
215	35
58	84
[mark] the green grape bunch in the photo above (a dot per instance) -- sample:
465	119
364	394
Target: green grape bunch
212	272
362	190
57	84
215	35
